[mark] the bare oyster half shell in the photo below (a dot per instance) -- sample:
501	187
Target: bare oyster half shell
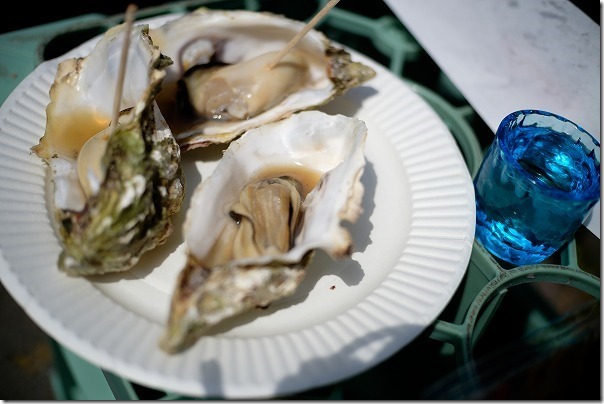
280	192
220	86
116	203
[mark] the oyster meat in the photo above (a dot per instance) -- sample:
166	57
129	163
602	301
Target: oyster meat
220	84
279	193
114	187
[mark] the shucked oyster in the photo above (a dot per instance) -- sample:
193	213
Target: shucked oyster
280	192
220	84
114	187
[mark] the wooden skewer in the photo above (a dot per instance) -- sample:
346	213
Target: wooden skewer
303	32
129	18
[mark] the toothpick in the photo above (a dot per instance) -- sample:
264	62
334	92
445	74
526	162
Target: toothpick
129	18
303	32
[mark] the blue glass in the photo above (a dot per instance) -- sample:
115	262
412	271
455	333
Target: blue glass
537	183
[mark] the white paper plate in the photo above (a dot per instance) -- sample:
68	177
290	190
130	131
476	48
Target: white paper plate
412	246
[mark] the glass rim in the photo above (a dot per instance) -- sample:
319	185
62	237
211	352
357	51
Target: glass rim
592	193
514	116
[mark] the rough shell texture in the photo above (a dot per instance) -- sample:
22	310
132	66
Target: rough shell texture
142	182
207	37
131	214
325	154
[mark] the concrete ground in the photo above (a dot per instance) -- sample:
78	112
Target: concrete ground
25	355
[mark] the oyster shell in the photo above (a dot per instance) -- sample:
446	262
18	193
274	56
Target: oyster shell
116	203
220	86
280	192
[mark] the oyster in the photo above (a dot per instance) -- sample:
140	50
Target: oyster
220	84
280	192
114	187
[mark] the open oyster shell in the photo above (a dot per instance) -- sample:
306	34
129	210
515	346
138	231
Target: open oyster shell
114	188
220	84
280	192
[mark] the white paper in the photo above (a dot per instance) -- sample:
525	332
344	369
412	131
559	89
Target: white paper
506	55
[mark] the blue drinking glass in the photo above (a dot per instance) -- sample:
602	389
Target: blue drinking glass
536	185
